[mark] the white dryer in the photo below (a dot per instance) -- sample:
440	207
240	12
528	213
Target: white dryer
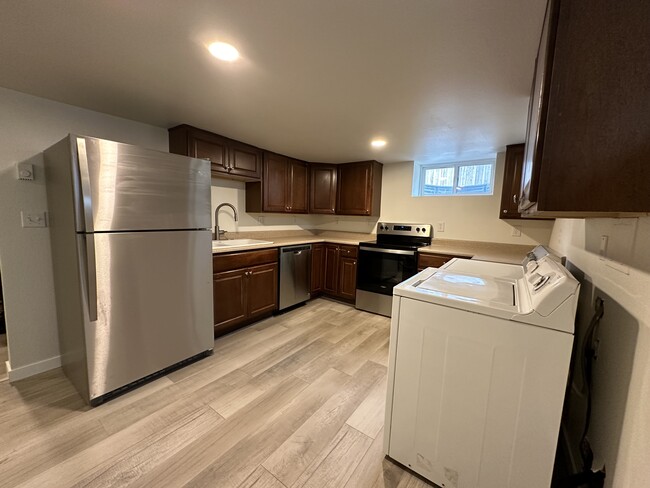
479	360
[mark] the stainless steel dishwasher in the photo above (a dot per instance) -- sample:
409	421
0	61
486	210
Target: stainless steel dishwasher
295	275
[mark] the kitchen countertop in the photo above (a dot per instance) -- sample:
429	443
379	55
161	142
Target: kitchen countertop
485	251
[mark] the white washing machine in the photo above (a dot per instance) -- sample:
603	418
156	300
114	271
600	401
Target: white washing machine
479	360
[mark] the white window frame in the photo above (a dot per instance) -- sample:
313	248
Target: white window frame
419	186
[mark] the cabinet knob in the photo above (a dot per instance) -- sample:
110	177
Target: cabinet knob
208	159
505	211
229	169
515	200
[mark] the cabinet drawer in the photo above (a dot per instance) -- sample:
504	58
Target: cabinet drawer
227	262
349	251
427	260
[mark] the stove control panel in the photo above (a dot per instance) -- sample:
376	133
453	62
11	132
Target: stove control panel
401	229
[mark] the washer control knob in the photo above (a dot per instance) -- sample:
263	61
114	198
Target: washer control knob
417	229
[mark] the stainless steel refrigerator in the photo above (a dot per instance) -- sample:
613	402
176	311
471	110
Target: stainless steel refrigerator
131	251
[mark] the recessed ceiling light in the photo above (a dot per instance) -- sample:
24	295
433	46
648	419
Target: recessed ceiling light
223	51
378	143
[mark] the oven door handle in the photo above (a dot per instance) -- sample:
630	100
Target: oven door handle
387	251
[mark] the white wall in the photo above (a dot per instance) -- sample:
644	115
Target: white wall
27	126
469	218
620	426
472	218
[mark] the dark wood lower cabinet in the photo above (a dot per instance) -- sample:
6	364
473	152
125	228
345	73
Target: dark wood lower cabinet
244	294
229	298
262	290
331	278
317	268
430	260
340	271
348	278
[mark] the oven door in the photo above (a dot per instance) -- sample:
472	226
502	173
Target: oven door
380	269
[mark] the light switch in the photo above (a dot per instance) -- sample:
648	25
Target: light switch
516	231
440	227
33	219
603	246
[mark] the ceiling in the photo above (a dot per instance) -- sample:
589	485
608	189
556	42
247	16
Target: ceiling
441	80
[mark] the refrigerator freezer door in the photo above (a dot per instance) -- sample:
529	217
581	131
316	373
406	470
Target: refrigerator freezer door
127	188
154	305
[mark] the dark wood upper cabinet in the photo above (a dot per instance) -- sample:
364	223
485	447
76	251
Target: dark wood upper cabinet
229	158
322	188
244	160
359	188
274	184
587	147
283	189
510	192
298	186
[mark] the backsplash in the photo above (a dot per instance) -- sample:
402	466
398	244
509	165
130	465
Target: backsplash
234	192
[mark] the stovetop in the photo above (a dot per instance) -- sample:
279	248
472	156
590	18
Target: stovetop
402	236
400	246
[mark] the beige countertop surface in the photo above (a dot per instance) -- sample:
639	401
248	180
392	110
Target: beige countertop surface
485	251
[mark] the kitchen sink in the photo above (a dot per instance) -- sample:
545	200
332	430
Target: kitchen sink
238	243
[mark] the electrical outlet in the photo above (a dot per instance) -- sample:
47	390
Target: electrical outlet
440	227
33	219
516	231
260	219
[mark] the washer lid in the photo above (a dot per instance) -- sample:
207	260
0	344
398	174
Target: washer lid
479	290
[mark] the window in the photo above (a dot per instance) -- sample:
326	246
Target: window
462	178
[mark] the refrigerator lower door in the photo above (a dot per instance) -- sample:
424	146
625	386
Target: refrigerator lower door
153	299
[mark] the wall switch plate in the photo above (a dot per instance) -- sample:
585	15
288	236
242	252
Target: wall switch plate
440	227
33	219
603	246
25	171
516	231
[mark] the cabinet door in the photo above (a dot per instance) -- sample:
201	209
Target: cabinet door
297	186
229	298
354	188
210	147
262	289
331	278
512	182
317	267
275	183
538	109
322	188
347	278
244	160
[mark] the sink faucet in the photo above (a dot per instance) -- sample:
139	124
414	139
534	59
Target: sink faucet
217	232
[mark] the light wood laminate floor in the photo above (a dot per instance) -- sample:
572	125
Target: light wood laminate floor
293	401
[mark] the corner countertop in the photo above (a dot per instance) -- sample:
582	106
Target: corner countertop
485	251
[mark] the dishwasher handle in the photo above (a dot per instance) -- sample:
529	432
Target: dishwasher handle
295	249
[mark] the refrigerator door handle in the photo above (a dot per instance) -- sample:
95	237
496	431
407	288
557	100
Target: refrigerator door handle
90	271
86	195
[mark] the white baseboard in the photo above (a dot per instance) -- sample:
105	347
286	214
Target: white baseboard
31	369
